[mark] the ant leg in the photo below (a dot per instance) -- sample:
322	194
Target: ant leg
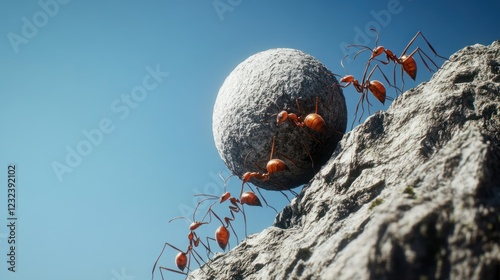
161	268
229	220
368	104
317	100
308	153
420	53
387	80
228	225
272	148
196	255
402	77
265	201
208	245
360	101
232	228
158	259
241	191
430	47
298	107
244	219
426	41
245	160
364	73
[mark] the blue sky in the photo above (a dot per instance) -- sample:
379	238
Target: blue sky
107	105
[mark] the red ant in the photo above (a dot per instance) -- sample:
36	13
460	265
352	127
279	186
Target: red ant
248	197
376	87
222	233
181	259
314	121
234	208
273	166
407	62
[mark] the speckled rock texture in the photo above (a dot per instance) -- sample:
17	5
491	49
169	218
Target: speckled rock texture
412	193
244	117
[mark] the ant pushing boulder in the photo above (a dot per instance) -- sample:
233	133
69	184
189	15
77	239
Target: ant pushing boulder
247	134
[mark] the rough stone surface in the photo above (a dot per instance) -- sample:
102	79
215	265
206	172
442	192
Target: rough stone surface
244	118
412	193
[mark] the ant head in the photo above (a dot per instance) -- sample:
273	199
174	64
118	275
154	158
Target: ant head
246	177
193	226
347	79
282	116
377	51
224	196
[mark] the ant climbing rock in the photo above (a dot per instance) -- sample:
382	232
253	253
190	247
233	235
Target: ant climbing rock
407	62
376	87
183	259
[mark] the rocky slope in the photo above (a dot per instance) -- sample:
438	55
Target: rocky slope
412	193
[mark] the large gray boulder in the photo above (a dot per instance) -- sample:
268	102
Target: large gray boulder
244	117
412	193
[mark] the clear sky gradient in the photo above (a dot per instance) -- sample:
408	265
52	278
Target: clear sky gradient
106	112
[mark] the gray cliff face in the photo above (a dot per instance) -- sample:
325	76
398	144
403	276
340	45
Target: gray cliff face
412	193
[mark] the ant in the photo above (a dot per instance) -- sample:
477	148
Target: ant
183	259
222	234
376	87
407	62
314	121
273	166
234	208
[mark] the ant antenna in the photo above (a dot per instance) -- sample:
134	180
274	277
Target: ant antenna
342	64
376	40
